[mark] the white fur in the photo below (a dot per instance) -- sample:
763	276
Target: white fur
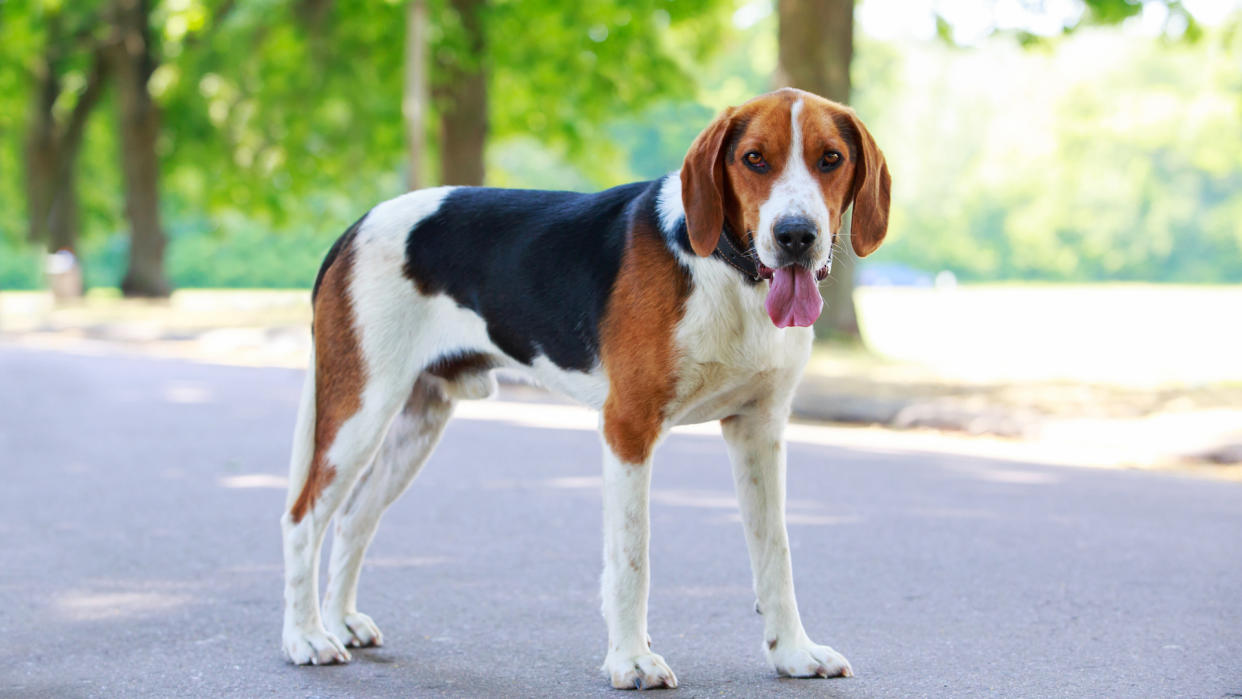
626	578
589	388
411	438
795	193
669	203
303	433
757	450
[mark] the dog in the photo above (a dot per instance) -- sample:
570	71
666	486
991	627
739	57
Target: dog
680	300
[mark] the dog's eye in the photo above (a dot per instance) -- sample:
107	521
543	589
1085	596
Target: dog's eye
830	161
755	161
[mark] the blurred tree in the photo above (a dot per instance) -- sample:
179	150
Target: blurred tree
563	73
81	47
816	39
68	72
290	113
132	58
1112	158
414	90
461	81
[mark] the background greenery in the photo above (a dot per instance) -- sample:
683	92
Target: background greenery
1103	155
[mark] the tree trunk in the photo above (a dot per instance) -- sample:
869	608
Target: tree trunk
42	151
816	47
52	149
462	96
414	101
133	63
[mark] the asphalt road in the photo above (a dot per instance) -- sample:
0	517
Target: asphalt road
140	556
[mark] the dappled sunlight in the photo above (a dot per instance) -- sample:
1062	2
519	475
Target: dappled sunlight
705	591
949	513
805	519
795	519
575	482
709	499
405	561
1003	475
870	439
86	605
543	415
594	483
187	392
255	480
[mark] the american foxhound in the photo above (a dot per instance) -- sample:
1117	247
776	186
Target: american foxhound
680	300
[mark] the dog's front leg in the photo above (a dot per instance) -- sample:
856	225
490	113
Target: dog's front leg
630	664
757	450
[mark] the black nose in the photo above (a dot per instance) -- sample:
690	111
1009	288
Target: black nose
795	234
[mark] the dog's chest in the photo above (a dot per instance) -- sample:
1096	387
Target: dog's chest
731	357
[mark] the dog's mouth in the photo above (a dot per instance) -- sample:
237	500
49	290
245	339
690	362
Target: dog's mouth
766	272
793	299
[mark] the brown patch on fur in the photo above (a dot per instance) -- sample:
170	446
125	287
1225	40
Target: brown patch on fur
636	343
702	183
767	133
863	181
772	643
424	287
716	185
339	375
826	126
451	368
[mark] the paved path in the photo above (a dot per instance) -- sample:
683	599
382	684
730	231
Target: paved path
141	557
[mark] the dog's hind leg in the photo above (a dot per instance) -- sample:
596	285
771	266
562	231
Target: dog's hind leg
365	365
411	438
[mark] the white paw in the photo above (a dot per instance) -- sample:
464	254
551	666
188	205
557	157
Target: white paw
805	659
315	647
638	671
355	628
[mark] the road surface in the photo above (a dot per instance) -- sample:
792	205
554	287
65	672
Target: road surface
141	557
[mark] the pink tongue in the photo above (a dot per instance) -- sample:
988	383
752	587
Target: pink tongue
794	297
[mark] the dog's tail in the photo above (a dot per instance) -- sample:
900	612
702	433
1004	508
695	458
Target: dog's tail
303	436
303	451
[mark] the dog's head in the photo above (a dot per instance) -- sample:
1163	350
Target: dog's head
780	171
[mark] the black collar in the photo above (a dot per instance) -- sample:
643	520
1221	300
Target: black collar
743	261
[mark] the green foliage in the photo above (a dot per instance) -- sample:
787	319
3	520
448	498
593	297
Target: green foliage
20	266
1113	11
1109	160
282	117
562	71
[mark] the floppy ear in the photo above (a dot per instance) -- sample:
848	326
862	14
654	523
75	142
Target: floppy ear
871	193
702	185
